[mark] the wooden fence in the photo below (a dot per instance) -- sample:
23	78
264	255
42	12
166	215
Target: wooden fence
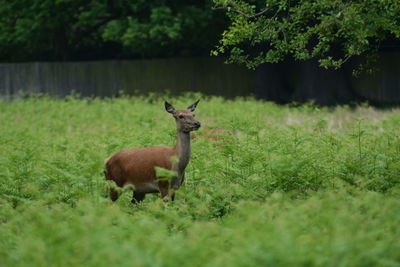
283	82
107	78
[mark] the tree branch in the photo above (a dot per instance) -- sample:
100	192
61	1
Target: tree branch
259	13
229	8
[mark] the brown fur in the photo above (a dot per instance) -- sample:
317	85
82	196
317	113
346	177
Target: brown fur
135	166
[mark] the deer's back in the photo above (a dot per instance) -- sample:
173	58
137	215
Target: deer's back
136	166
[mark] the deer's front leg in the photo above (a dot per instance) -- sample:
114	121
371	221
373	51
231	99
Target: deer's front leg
163	187
175	184
137	197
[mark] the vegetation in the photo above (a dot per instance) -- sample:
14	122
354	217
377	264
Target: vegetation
277	186
71	29
330	31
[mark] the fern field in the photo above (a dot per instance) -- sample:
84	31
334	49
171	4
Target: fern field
266	185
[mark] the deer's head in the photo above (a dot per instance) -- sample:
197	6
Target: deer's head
185	121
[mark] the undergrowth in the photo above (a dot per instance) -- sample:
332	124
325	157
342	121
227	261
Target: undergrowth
274	186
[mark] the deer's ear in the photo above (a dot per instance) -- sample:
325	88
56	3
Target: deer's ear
193	106
169	108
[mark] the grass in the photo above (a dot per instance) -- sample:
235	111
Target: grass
281	186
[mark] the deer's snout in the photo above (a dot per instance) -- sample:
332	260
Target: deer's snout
194	125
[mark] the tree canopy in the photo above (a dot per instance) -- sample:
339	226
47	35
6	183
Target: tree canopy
332	31
81	29
258	31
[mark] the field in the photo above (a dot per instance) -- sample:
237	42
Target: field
277	186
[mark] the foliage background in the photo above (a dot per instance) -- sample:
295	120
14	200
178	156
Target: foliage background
86	30
251	32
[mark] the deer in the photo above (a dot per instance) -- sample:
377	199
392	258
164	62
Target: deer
137	166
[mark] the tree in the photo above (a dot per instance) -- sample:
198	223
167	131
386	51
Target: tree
81	29
47	30
332	31
165	28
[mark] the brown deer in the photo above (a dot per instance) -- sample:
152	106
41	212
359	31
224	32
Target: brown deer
137	166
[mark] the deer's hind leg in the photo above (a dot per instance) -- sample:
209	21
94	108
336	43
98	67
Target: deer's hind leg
113	194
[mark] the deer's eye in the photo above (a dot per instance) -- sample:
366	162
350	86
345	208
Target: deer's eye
180	116
194	115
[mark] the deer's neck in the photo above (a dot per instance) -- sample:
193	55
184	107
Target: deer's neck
183	151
